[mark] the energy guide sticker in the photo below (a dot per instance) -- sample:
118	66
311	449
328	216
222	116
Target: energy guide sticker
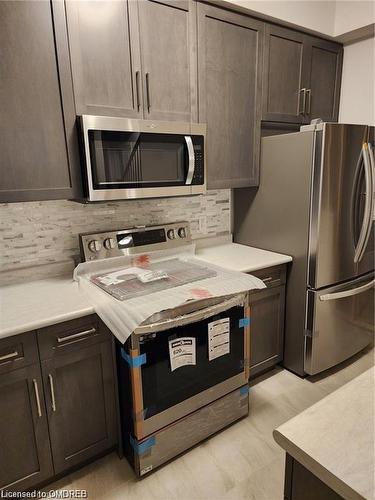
218	338
182	352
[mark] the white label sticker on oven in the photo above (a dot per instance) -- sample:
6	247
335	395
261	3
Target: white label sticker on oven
218	338
182	352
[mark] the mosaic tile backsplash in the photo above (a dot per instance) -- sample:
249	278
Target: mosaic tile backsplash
46	232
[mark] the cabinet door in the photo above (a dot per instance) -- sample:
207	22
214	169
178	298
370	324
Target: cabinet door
229	59
34	162
104	51
169	66
267	328
80	399
285	73
24	442
325	66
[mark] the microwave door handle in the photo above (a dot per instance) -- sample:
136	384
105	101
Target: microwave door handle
191	156
347	293
359	251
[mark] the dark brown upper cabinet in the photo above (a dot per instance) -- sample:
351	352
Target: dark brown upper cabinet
229	61
284	75
38	146
301	77
325	68
169	65
105	57
134	59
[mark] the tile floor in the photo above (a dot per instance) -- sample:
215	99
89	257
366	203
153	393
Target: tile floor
242	462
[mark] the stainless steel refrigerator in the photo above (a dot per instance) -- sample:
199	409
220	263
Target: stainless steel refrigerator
315	202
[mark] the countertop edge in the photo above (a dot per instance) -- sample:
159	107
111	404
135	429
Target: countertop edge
49	321
276	262
334	482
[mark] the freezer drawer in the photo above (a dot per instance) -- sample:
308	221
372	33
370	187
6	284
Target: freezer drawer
339	323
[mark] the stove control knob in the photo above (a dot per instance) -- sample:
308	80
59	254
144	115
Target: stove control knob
109	243
95	246
182	232
170	234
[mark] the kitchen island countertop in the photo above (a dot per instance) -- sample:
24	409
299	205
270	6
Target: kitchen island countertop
334	438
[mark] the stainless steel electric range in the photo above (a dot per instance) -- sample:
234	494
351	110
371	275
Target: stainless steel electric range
183	373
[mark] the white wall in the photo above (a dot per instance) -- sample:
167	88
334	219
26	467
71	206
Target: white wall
329	17
358	83
353	14
317	15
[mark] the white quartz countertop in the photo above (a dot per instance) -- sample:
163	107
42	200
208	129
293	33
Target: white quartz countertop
27	306
240	257
334	438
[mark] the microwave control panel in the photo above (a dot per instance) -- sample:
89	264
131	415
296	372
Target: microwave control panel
135	240
198	142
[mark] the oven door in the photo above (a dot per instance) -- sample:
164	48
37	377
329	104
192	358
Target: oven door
163	393
128	159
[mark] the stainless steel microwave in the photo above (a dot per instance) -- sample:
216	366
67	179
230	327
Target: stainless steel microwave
128	158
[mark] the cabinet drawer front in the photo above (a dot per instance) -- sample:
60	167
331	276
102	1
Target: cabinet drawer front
272	276
18	351
70	336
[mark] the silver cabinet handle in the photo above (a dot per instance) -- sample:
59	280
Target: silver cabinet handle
137	90
191	155
301	91
366	223
148	94
308	94
9	356
347	293
52	389
36	391
75	336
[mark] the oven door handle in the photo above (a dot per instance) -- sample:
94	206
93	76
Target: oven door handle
194	316
191	156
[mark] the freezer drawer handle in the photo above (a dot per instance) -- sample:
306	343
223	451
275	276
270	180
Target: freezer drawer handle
348	293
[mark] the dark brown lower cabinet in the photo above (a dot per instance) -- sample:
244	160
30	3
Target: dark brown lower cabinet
80	399
58	403
301	484
267	321
25	457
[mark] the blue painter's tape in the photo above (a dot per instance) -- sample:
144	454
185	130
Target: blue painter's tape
244	322
136	361
244	390
142	447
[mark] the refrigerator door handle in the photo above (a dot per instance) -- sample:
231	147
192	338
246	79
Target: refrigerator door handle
367	216
348	293
372	198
